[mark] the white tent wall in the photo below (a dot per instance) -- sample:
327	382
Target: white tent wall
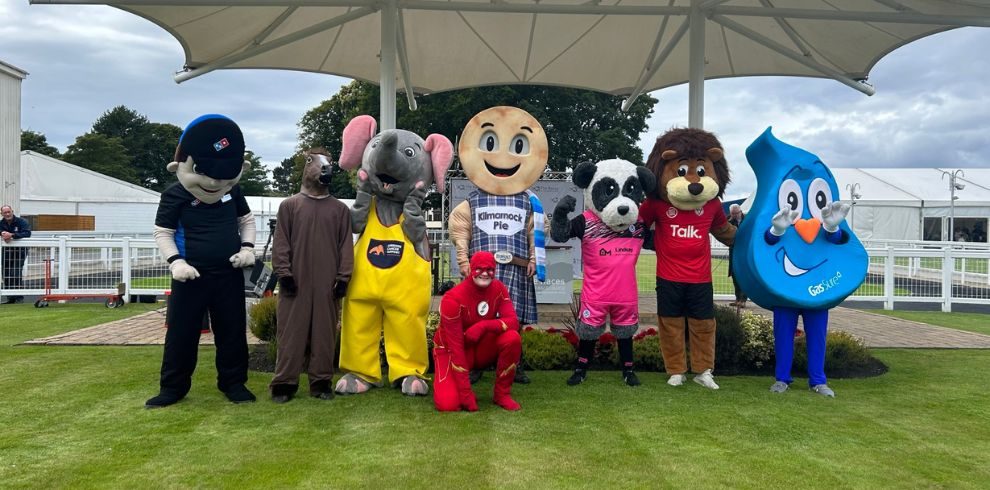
882	222
51	186
893	202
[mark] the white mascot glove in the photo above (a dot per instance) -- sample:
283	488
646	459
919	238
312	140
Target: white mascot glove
243	258
783	220
182	271
833	214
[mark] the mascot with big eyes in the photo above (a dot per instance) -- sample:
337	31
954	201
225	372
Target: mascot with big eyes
205	230
611	237
692	174
795	254
389	291
503	151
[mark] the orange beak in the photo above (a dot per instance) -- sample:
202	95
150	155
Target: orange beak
808	228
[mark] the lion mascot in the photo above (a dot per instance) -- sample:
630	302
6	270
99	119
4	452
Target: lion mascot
691	173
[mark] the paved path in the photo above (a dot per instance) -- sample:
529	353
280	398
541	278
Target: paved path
876	330
144	329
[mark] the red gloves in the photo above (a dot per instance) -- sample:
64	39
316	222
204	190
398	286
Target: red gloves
473	335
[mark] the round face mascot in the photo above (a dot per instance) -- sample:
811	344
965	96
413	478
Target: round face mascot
611	235
389	291
504	151
205	230
795	254
313	256
691	173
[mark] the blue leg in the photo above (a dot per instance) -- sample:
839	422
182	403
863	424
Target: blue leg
784	326
815	330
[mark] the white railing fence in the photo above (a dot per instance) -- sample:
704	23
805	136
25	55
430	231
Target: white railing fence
899	272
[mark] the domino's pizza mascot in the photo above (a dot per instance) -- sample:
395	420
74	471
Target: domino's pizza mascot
504	151
389	291
313	256
795	254
692	173
478	328
612	236
205	230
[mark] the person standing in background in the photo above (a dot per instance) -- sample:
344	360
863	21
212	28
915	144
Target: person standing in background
735	219
13	228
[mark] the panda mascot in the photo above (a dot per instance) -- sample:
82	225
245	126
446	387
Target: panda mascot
612	236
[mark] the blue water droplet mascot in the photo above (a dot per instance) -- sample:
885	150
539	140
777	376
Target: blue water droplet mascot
795	254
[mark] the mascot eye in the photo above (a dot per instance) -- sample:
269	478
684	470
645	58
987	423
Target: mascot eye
682	170
819	196
374	144
489	141
309	159
789	195
701	170
409	152
519	145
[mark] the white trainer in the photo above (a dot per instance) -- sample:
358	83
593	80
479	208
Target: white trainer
823	390
705	379
676	380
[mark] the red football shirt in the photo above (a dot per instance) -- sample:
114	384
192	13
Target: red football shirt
684	252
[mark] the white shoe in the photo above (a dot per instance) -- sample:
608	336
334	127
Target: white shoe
823	390
705	379
676	380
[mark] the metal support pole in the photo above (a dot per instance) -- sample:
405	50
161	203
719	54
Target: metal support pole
948	263
696	68
390	16
888	280
125	268
63	267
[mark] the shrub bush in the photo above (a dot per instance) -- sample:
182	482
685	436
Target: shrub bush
757	350
546	351
262	320
646	351
730	336
845	355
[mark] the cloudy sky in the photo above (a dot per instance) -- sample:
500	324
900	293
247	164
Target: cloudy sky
932	106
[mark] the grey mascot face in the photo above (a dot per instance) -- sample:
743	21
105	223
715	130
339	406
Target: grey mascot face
395	161
614	189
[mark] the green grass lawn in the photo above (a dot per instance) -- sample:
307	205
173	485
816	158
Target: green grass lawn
971	322
73	417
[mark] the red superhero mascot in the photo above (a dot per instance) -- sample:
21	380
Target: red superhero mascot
478	328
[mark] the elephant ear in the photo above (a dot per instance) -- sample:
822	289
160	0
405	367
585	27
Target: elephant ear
441	156
356	136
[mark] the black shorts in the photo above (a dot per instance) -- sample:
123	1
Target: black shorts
682	299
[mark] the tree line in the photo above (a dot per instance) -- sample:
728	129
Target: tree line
581	126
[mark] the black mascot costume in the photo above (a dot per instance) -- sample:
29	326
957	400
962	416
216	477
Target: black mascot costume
205	229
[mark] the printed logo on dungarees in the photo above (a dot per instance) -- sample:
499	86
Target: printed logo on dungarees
384	254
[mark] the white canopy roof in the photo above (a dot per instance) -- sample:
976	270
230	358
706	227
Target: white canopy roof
913	187
44	178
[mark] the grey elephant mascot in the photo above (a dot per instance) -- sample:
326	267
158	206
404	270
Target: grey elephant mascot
205	230
389	291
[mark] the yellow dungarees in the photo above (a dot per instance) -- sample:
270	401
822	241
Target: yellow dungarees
389	294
